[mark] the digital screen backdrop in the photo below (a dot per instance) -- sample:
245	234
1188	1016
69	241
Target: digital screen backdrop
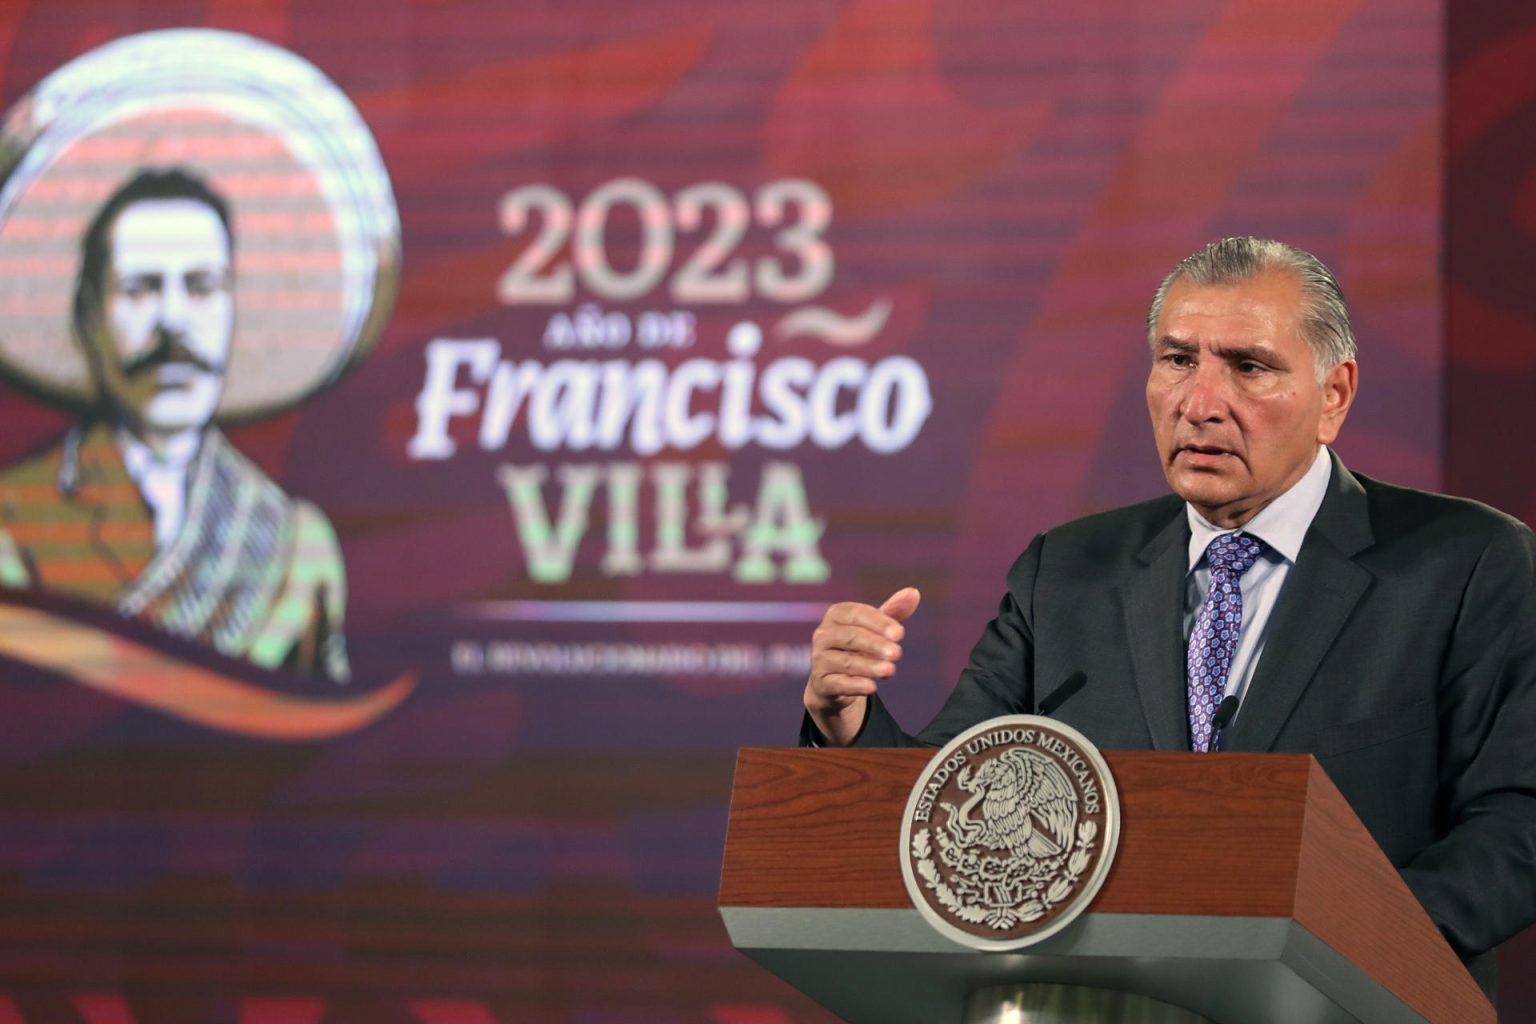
548	369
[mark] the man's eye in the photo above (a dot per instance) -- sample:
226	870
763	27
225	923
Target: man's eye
1247	367
1180	359
136	287
203	285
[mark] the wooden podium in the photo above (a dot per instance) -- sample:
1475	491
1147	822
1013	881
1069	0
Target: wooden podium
1244	890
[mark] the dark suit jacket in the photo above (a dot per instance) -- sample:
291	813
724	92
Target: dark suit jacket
1402	653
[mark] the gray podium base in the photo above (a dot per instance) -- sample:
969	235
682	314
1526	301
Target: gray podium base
889	966
1069	1004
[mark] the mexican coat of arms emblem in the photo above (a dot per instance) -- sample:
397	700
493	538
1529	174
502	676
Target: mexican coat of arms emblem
1009	832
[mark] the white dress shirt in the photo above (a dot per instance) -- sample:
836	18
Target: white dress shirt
1281	525
161	478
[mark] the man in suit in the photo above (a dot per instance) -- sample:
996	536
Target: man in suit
1390	632
144	505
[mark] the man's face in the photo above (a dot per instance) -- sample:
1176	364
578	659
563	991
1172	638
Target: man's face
162	329
1237	410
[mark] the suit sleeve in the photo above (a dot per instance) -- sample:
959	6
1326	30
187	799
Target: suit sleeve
13	564
1478	882
302	629
998	680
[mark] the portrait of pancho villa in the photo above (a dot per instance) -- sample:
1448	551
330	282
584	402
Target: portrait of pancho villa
232	248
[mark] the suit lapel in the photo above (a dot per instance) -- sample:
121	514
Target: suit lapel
1152	595
94	480
1324	586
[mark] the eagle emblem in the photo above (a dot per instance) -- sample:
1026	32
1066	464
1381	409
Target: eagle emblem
1009	832
1027	803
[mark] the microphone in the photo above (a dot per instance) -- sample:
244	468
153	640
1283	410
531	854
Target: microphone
1224	712
1059	696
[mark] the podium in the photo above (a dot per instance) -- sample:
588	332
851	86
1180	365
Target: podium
1244	891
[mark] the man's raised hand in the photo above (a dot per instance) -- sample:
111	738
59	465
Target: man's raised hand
855	646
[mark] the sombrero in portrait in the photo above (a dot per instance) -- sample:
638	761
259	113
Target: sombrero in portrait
316	228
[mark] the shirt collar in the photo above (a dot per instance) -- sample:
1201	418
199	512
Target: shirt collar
1282	524
139	460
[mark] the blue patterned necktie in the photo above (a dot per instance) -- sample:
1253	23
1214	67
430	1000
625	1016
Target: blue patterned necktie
1214	638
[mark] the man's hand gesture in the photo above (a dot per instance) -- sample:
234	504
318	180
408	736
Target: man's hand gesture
855	646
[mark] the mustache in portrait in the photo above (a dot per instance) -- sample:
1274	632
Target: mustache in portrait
170	347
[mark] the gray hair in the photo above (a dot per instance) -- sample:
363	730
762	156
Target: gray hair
1324	321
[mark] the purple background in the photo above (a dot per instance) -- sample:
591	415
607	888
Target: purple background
1015	179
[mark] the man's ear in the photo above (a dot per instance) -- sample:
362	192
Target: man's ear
1339	384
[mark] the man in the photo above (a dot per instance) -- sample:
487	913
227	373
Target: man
144	505
1390	632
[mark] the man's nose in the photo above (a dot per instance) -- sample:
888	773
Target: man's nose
174	303
1206	395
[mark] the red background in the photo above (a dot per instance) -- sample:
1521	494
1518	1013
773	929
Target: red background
1015	178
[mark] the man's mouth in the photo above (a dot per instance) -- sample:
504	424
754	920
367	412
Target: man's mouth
1201	453
176	374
